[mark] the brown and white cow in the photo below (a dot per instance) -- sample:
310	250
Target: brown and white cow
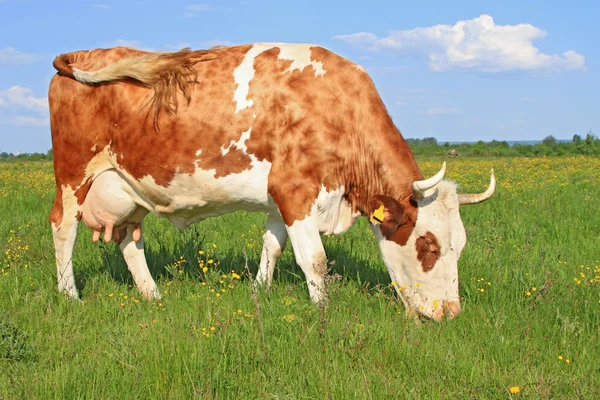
291	130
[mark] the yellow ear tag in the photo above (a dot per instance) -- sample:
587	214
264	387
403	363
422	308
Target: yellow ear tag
378	216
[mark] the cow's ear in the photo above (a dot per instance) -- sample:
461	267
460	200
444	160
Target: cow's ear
387	212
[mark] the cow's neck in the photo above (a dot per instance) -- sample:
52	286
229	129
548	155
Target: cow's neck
384	165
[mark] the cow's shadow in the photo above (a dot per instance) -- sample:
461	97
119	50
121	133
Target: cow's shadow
162	259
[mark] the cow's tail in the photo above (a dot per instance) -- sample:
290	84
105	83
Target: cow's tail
165	73
62	65
147	69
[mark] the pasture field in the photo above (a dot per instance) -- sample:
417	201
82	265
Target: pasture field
530	289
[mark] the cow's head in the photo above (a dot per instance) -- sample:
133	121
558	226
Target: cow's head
421	239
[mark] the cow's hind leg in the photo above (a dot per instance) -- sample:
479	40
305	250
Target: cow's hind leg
132	247
64	220
274	240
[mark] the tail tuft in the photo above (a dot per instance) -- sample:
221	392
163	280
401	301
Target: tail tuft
61	63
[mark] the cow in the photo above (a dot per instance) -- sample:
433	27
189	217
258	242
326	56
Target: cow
291	130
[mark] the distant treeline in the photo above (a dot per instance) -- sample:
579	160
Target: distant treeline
590	145
10	157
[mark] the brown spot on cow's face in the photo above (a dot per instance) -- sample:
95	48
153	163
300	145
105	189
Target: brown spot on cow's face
428	251
399	219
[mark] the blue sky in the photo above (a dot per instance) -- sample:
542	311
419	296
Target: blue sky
460	70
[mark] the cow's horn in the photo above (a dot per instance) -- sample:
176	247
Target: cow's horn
467	198
419	187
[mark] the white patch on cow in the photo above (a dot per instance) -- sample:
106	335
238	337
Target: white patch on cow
198	152
192	198
334	212
422	291
102	161
240	144
360	68
299	54
242	75
300	57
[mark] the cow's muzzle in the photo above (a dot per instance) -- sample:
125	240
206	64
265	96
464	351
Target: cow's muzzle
450	310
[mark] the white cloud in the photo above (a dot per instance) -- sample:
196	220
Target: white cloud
518	122
21	97
477	44
442	111
22	108
100	5
25	120
388	70
199	7
10	55
193	9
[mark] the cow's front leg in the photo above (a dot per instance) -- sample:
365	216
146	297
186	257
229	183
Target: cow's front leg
310	254
132	246
296	199
274	240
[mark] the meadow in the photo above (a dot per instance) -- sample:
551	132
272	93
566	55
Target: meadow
529	284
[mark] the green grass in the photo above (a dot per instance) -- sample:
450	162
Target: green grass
541	230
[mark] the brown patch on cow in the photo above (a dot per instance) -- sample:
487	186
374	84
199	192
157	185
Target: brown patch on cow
399	219
120	233
82	191
56	212
330	130
428	251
